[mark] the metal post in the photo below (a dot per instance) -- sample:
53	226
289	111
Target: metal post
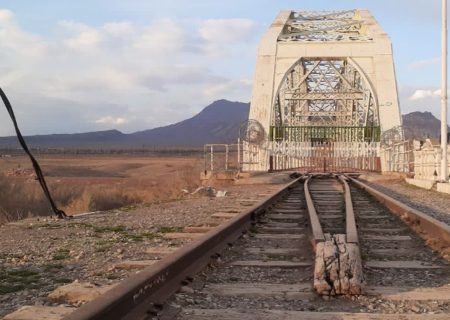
204	157
226	157
239	154
212	158
444	97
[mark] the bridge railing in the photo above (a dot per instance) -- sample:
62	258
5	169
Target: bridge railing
397	157
427	160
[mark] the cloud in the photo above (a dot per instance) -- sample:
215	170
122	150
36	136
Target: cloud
421	94
88	39
6	16
227	30
227	87
136	76
425	99
111	120
162	37
420	64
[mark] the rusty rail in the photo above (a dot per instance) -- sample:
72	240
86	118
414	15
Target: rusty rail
316	228
136	296
430	225
351	230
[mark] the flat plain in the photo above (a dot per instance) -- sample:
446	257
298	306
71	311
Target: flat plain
85	183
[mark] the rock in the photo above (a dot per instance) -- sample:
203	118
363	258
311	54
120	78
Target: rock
415	309
186	289
77	293
39	313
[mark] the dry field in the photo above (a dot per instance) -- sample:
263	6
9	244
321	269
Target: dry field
90	183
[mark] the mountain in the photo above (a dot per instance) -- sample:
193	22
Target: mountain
217	123
421	125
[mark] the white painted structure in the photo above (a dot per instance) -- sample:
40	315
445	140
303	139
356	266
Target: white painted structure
428	161
319	70
444	96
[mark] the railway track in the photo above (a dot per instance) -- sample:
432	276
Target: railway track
262	264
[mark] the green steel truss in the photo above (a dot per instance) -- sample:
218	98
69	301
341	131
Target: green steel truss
330	134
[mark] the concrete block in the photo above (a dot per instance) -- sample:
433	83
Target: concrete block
182	235
160	252
425	184
197	229
39	313
224	215
130	265
77	293
443	187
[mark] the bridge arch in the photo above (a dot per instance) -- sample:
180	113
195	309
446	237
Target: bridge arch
325	98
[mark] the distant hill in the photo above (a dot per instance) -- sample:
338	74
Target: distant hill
217	123
421	125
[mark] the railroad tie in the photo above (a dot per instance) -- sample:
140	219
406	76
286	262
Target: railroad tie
401	265
274	251
410	293
263	290
270	264
281	230
285	216
255	314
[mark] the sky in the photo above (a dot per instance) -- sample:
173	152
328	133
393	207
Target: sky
76	66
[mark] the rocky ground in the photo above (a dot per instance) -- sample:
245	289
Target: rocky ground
38	255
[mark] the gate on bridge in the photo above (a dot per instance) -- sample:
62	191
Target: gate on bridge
326	157
324	92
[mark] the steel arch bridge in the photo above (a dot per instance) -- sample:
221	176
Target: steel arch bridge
324	92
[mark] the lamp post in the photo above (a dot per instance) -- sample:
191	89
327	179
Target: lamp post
444	97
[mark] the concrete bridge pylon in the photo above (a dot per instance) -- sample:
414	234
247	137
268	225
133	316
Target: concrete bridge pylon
324	82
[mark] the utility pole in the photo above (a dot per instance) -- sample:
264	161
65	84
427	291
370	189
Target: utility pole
444	96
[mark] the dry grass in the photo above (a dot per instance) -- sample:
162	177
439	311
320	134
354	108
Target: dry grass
96	184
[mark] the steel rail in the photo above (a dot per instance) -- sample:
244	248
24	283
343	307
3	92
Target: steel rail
430	225
314	222
350	222
135	297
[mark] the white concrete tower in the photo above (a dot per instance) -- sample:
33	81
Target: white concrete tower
322	78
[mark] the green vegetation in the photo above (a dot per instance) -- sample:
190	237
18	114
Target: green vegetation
51	267
163	229
118	229
63	280
61	254
18	279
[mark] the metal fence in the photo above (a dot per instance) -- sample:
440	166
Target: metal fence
222	157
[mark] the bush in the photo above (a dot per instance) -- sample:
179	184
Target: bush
21	198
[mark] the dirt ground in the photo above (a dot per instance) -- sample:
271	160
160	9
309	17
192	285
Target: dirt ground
90	183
